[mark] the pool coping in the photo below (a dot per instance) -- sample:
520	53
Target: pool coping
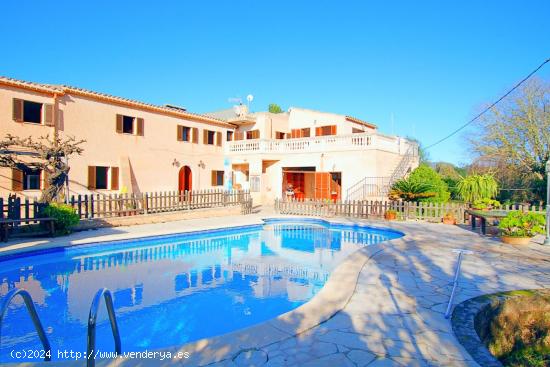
331	299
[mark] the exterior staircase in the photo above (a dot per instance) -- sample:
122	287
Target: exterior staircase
379	187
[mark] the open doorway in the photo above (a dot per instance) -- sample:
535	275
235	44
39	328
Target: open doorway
185	179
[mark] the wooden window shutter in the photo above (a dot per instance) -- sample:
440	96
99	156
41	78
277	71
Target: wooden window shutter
318	131
140	126
16	179
219	139
180	133
48	115
333	130
91	177
205	136
17	110
214	177
118	124
195	135
114	178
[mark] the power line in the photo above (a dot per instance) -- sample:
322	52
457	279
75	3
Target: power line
491	106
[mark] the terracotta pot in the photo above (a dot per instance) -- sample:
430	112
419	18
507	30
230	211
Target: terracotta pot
449	221
515	240
390	216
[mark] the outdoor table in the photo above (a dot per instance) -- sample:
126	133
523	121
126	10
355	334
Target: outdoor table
483	216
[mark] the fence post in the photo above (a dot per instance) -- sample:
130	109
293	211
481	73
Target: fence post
145	198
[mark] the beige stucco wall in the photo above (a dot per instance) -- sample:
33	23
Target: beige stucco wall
155	158
303	118
354	166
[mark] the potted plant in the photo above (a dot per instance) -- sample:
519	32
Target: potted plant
517	228
449	218
485	204
390	214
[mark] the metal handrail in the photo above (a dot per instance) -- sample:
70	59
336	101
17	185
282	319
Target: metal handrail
455	280
105	293
34	317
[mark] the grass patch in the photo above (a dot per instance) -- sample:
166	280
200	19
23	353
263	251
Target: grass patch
517	329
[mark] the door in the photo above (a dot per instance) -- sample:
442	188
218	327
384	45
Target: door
322	185
185	179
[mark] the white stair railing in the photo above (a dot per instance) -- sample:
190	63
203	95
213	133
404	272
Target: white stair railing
381	186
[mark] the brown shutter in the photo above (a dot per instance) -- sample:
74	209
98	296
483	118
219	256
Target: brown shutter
195	135
219	139
17	110
140	126
318	131
333	130
48	115
16	179
91	177
118	124
114	178
180	133
214	177
45	179
205	136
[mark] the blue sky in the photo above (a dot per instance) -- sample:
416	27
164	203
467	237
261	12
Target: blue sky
430	64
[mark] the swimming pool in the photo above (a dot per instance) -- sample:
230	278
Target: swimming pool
170	290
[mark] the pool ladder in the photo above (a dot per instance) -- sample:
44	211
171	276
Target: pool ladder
92	318
34	317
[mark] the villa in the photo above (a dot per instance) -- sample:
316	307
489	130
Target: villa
134	147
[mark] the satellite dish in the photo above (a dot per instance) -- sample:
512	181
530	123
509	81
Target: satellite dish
250	98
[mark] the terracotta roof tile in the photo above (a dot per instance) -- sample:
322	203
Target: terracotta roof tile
66	89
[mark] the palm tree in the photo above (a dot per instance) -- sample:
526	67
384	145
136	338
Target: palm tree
411	190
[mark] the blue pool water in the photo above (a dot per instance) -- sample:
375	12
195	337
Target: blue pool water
175	289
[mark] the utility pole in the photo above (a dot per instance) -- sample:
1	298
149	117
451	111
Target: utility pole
547	240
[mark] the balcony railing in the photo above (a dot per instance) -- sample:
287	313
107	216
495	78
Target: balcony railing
318	144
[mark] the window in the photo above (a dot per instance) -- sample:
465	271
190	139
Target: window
209	137
184	133
229	135
239	135
129	125
26	179
325	130
31	179
217	178
102	178
253	134
101	174
300	133
279	135
32	112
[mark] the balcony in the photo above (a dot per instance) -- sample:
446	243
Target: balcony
318	144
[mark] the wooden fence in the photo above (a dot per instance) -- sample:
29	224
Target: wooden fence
121	205
433	212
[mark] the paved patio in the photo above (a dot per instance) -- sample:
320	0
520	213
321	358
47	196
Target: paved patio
389	306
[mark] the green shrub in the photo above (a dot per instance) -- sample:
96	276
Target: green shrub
485	203
65	216
475	187
425	175
518	224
